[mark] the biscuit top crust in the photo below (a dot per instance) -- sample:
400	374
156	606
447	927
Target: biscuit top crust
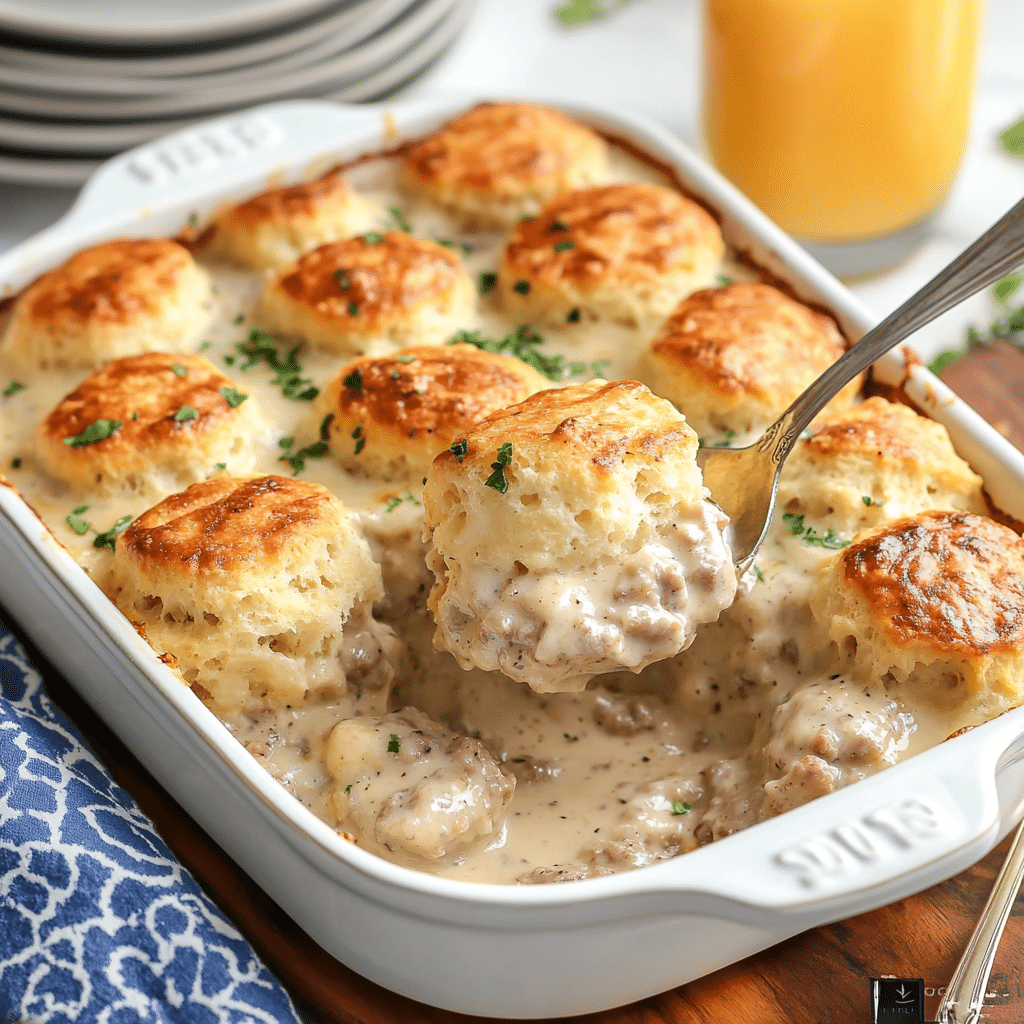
224	524
367	282
283	204
429	389
500	148
144	393
951	581
598	432
886	430
114	282
749	339
627	232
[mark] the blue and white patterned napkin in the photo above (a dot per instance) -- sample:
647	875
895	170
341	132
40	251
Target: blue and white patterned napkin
98	920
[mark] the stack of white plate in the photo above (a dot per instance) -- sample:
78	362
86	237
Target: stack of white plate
83	79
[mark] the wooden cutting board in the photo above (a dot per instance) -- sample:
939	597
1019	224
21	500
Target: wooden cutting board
819	977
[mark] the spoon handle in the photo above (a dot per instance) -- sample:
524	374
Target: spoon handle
988	259
965	995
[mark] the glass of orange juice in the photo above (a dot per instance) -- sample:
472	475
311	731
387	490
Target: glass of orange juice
844	120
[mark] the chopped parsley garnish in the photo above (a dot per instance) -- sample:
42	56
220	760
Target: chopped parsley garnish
570	737
135	416
393	503
829	539
564	245
523	287
405	359
524	343
870	502
205	345
76	522
325	427
221	466
98	430
497	480
487	281
451	243
16	462
354	380
13	388
678	807
459	449
178	370
559	225
232	396
344	281
723	280
230	360
394	744
399	219
353	309
185	413
297	460
372	238
240	318
573	316
359	438
759	574
262	347
108	537
582	12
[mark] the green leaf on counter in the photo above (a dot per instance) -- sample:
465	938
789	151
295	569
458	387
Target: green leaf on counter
1012	138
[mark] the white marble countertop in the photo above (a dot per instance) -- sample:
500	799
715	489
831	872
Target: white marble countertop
644	57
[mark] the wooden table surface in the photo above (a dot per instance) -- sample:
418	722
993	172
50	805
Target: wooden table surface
819	977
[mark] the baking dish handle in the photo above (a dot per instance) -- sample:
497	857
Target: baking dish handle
877	843
196	162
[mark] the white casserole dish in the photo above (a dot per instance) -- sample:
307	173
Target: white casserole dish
512	951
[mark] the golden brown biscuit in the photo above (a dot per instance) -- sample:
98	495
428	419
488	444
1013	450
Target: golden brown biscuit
343	295
934	605
500	162
160	423
248	583
626	253
114	299
273	229
873	463
732	359
571	535
393	414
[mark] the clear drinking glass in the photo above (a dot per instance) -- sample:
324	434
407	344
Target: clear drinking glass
844	120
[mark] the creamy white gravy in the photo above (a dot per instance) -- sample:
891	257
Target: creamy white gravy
632	769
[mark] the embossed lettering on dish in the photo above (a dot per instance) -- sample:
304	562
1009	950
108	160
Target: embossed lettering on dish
849	847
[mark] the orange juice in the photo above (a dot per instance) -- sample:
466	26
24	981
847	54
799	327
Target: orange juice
842	119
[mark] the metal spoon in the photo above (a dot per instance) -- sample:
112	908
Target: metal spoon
965	996
744	481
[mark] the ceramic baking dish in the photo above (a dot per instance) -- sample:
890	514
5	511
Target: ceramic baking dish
512	951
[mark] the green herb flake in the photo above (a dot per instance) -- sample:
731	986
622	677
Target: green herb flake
829	539
185	413
497	480
354	380
570	737
564	246
16	462
77	523
353	309
573	316
98	430
724	280
286	442
559	225
583	12
399	219
759	574
261	347
678	807
394	744
325	427
451	243
205	346
1012	138
297	460
488	280
524	343
230	360
360	445
240	318
1003	290
459	449
135	416
344	281
394	502
372	238
232	396
221	466
870	502
405	359
107	538
13	388
522	287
